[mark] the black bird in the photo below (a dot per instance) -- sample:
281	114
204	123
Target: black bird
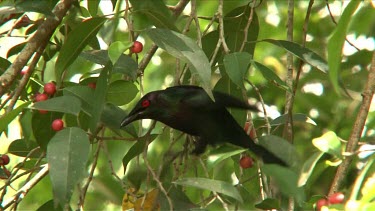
190	110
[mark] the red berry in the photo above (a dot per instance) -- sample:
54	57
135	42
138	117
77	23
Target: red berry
137	47
4	159
50	88
43	111
41	97
320	203
246	162
92	85
252	133
57	124
24	70
336	198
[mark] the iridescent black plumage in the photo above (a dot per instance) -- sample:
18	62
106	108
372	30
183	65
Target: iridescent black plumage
190	110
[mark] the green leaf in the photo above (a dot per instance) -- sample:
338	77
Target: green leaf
6	118
126	65
93	6
67	155
121	92
155	11
336	43
44	7
41	125
328	143
270	75
308	167
49	205
22	148
64	104
282	149
112	117
225	85
296	118
184	48
286	180
96	56
116	49
136	149
269	204
303	53
236	65
77	39
84	93
16	49
235	22
99	96
220	154
212	185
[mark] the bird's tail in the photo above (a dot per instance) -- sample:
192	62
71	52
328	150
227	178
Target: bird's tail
267	156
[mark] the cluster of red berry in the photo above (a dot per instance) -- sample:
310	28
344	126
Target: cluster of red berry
49	90
336	198
4	160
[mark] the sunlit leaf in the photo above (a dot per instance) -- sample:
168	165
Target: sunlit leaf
270	75
116	49
308	167
303	53
296	118
220	154
212	185
6	118
328	143
67	155
147	202
336	43
186	49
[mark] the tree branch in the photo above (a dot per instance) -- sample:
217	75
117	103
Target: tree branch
41	36
357	128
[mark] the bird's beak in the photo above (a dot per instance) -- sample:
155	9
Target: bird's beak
128	120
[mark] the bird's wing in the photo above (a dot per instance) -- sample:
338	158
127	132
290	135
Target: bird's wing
232	102
195	96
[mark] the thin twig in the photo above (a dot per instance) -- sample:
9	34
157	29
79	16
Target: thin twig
304	34
246	29
154	175
26	77
25	189
289	98
84	189
357	129
42	35
334	21
221	27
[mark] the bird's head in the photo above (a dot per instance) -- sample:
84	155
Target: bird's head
148	107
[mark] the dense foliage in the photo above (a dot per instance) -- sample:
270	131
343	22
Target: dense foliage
71	70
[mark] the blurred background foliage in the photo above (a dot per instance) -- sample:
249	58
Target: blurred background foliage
315	98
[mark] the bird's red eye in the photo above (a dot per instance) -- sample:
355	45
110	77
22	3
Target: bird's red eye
145	103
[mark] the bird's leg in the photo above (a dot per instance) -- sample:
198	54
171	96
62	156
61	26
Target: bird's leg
200	146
